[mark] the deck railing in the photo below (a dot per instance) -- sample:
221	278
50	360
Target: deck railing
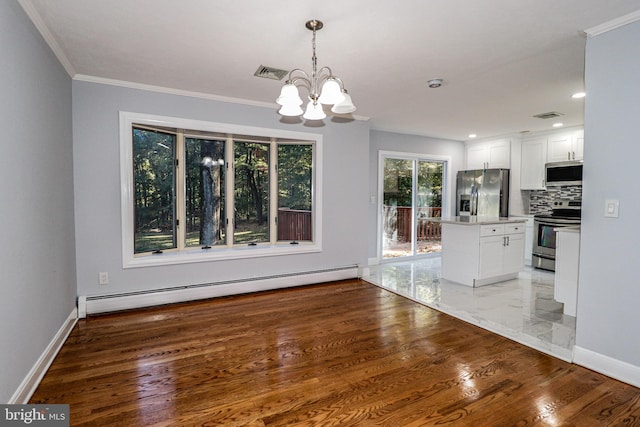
294	225
427	229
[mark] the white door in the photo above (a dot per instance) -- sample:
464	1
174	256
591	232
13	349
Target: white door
491	256
514	253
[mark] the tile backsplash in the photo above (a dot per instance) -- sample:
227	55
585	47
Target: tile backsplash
540	200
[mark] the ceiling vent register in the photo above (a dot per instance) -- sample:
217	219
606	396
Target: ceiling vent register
270	73
549	115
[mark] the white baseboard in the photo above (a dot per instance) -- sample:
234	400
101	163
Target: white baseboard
35	375
608	366
115	302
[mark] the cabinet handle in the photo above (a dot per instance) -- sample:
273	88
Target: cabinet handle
508	241
568	155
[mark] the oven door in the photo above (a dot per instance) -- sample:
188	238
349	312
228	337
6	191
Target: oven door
544	242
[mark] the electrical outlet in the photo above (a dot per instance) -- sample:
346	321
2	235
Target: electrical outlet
103	278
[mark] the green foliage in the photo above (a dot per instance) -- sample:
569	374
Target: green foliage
153	161
251	181
398	183
295	176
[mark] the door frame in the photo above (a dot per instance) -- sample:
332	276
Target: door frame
447	193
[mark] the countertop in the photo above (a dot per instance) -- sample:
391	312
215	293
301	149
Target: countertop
571	229
466	220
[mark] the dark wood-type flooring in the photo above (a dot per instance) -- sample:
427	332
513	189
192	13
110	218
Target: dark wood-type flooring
345	353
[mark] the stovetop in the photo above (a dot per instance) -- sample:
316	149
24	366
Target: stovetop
564	209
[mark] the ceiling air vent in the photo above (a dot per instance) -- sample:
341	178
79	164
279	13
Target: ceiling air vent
549	115
270	73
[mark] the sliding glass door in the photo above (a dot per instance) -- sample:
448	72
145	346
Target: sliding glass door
411	196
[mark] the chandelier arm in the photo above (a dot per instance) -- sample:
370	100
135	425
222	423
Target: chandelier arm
325	69
304	80
298	70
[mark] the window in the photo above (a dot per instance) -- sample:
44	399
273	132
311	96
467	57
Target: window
197	191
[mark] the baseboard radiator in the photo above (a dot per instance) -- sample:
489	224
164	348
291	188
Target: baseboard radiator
95	304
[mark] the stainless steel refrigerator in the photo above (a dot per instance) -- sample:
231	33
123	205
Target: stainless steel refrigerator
483	192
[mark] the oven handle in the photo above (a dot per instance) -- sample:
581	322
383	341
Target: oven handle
557	222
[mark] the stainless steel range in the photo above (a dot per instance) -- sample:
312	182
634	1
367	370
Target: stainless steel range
565	213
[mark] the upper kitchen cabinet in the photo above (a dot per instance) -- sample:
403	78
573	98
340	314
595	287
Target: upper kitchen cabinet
534	156
544	148
488	155
566	146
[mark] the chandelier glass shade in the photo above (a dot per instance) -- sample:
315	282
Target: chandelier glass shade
322	85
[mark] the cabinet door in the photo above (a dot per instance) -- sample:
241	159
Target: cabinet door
499	154
514	253
560	148
491	254
578	146
476	156
534	156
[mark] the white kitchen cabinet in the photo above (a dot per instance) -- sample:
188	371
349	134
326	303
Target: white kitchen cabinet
491	253
566	146
567	267
481	253
513	257
528	238
488	155
533	159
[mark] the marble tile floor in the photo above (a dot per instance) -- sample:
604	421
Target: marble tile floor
522	309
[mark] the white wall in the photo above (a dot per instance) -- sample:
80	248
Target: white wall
37	259
609	292
390	141
97	195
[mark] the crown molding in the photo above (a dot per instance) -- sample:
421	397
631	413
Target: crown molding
47	35
180	92
613	24
171	91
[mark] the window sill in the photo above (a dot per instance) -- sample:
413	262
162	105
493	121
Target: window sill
218	254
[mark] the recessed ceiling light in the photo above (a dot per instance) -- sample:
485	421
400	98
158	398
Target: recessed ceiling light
558	125
472	135
578	95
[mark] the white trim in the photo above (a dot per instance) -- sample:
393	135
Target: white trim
82	307
181	92
606	365
127	119
106	303
48	37
36	373
613	24
170	91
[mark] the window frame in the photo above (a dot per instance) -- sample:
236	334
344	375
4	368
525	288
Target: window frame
224	252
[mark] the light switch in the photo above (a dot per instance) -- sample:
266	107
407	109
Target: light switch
611	208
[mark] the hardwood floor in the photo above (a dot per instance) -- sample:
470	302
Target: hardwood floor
344	353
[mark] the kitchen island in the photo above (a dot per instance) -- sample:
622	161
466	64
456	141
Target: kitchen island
480	251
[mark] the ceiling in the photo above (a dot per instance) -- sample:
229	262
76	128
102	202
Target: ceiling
502	61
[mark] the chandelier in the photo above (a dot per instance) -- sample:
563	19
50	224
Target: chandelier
332	92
